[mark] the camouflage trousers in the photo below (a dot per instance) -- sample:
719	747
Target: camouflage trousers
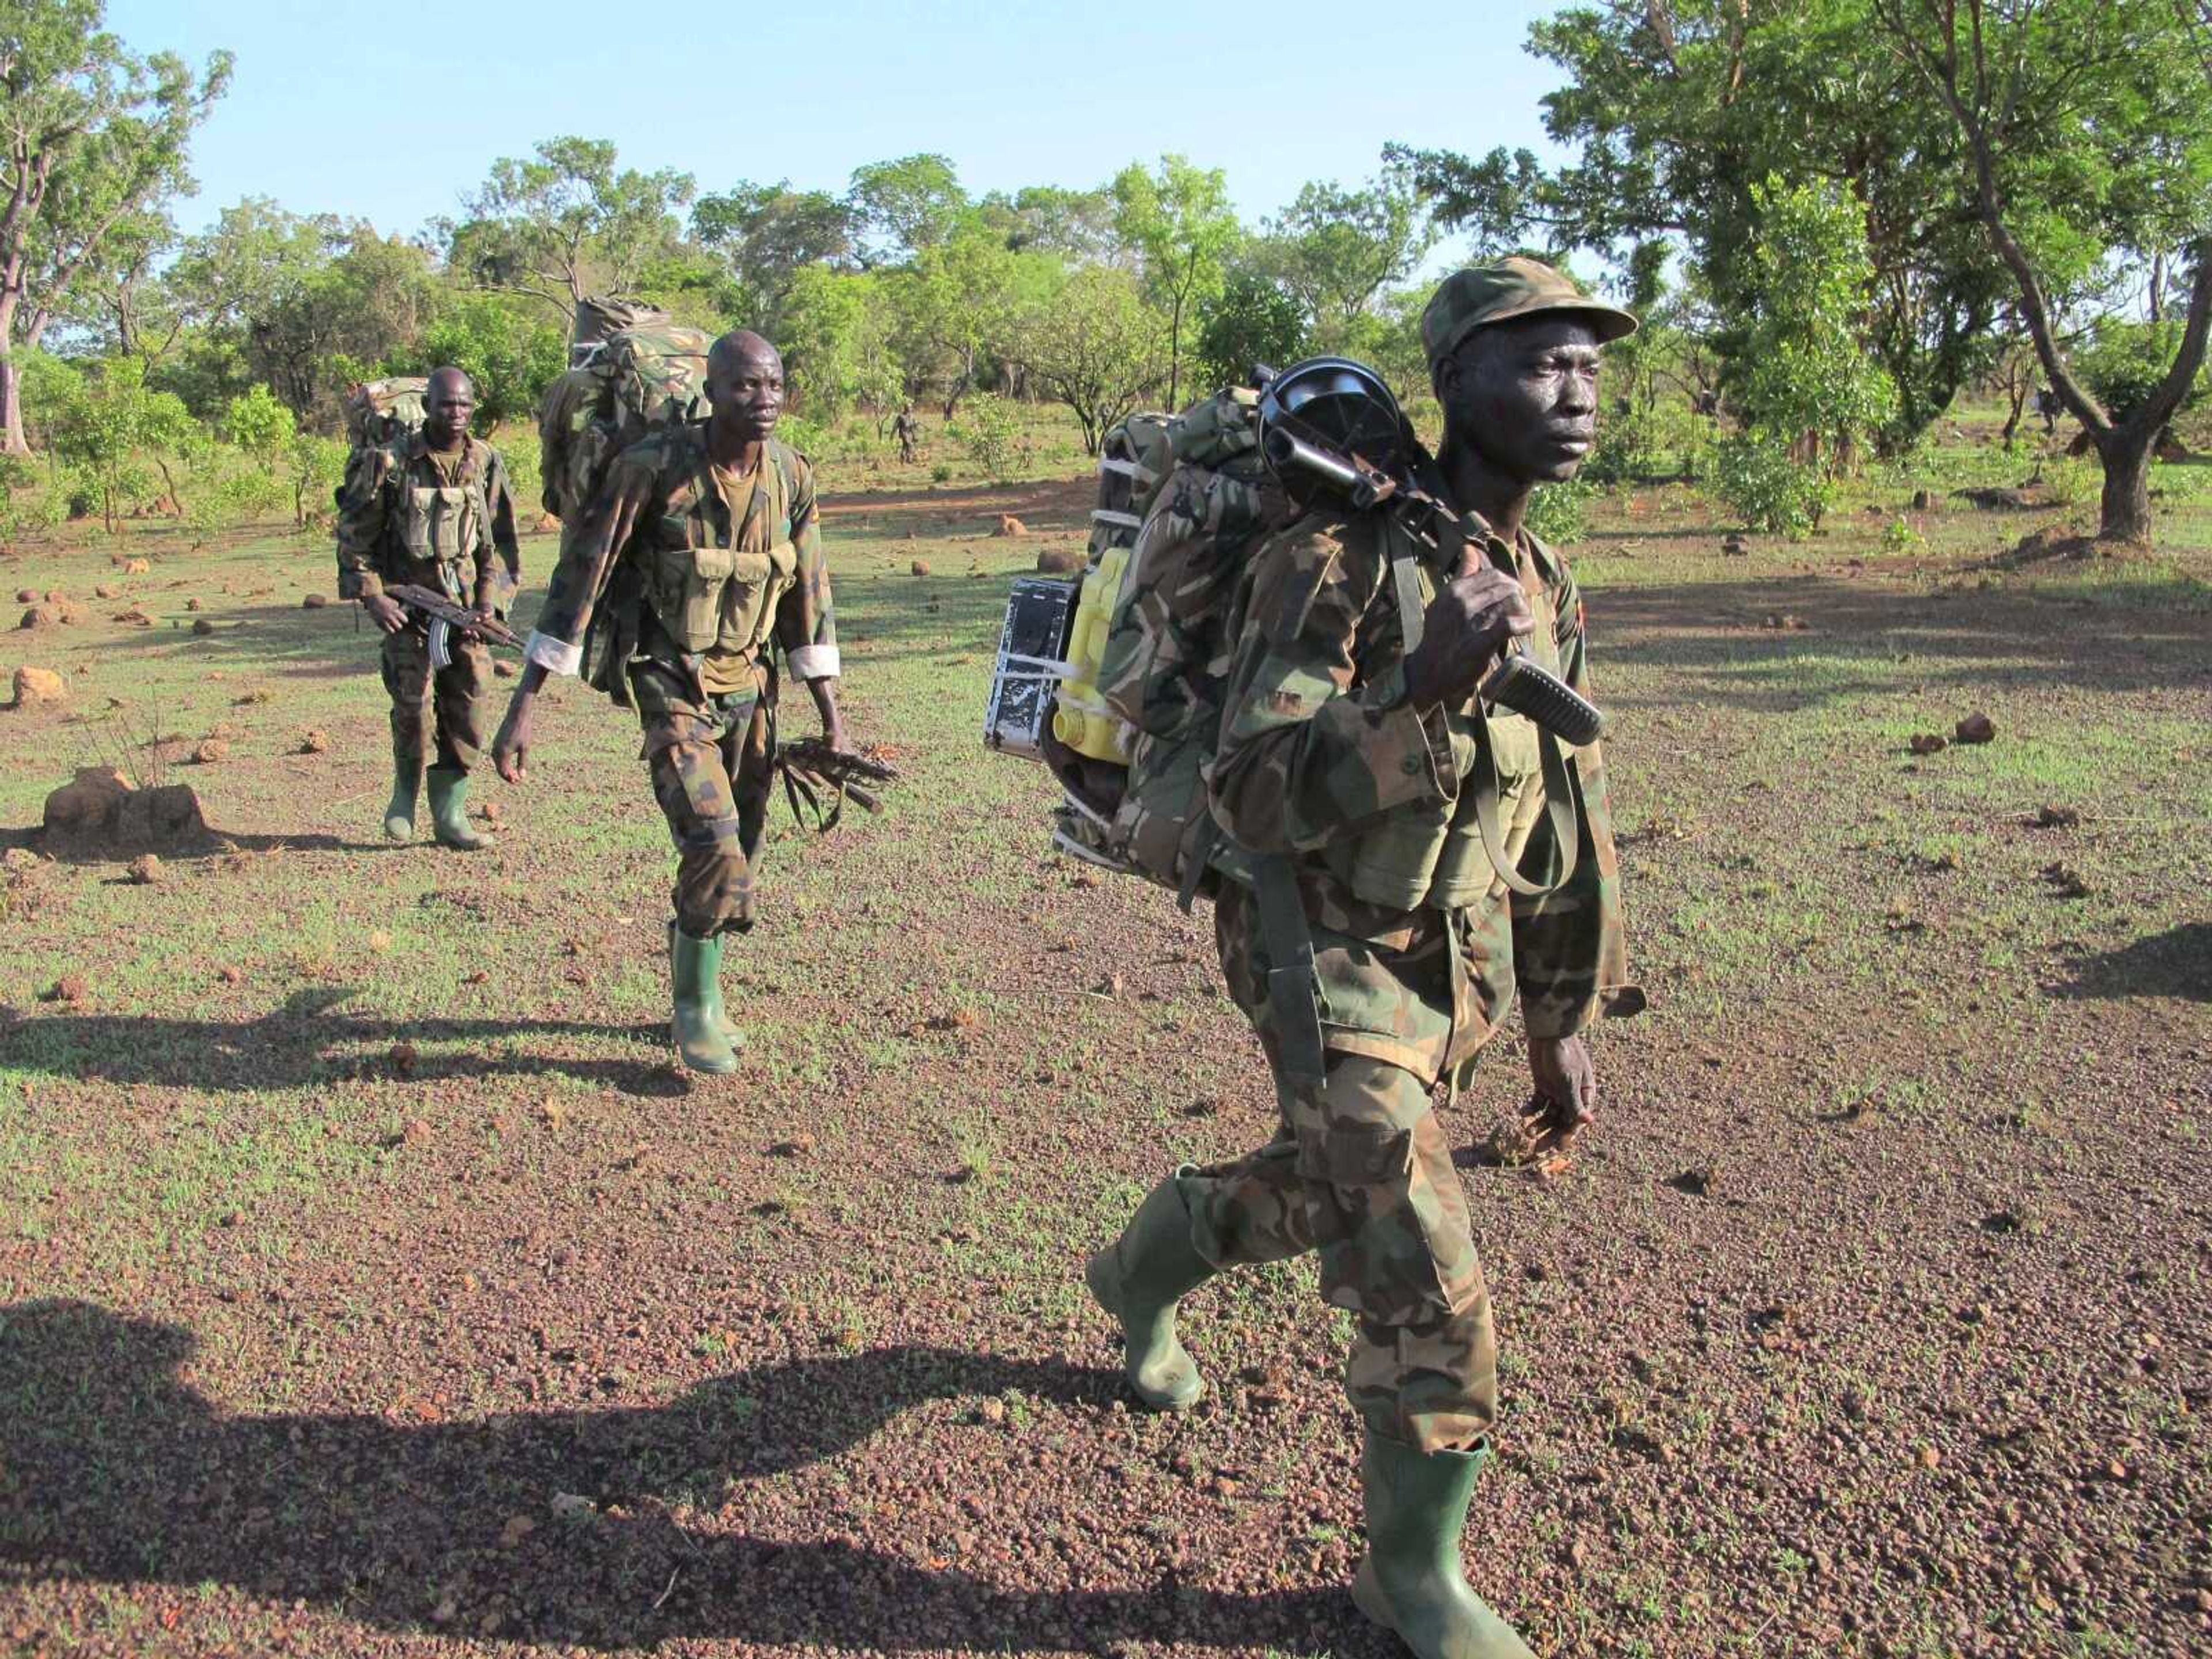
439	712
1360	1172
711	763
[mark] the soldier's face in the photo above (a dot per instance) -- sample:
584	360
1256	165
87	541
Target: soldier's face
448	408
746	389
1524	395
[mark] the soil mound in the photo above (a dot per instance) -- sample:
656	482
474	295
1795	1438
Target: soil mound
102	814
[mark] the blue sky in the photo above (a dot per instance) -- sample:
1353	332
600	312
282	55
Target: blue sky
391	113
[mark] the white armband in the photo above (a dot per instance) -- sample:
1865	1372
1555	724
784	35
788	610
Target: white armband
814	662
554	656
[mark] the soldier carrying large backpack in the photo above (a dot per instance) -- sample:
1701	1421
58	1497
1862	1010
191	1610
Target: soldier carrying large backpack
1320	724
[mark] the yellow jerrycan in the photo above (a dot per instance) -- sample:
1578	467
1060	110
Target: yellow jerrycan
1082	720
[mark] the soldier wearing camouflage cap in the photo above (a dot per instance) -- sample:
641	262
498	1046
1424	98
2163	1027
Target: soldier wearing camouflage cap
696	571
1353	762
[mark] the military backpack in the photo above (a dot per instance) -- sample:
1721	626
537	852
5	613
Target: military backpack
380	412
1193	499
634	382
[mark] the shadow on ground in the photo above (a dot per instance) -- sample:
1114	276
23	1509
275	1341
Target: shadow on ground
112	1469
1709	641
300	1044
2175	963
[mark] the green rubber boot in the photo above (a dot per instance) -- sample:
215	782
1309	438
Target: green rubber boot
1411	1581
449	810
723	1023
399	810
1139	1278
694	968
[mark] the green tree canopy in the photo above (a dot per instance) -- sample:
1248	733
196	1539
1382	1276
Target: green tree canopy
2078	127
1178	218
92	135
1094	344
566	222
766	234
905	207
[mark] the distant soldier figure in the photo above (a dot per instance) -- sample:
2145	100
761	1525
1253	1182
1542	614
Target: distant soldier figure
2048	409
433	508
1366	767
908	431
698	565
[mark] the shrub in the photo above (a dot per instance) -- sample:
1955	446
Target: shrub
1768	490
986	434
1559	512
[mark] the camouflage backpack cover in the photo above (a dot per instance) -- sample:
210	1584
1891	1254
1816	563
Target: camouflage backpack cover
379	412
601	317
1201	499
628	385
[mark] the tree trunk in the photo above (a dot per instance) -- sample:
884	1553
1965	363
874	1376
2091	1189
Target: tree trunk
11	404
2124	514
1174	353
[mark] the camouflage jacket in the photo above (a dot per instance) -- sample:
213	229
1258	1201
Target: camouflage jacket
1319	744
669	524
374	523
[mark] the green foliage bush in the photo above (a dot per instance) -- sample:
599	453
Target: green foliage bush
986	434
1766	488
1559	512
257	423
2124	359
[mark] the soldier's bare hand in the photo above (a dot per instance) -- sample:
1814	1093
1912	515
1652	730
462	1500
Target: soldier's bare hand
510	749
1465	628
1567	1090
387	614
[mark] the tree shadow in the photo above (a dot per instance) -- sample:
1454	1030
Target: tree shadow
113	1469
303	1042
290	643
1708	642
2177	962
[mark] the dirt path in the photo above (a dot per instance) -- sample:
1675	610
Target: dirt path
370	1283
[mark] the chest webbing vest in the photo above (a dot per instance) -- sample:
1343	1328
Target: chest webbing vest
712	578
438	523
1451	855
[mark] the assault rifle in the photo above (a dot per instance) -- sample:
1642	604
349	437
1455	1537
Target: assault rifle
811	767
1518	682
443	613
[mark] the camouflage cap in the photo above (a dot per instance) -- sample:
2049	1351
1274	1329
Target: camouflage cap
1512	288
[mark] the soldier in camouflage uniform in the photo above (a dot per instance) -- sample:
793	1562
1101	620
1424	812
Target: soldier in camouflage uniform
700	560
430	509
1356	763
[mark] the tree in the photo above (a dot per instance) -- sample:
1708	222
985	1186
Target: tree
827	318
1094	346
509	350
1808	393
90	135
953	306
2083	126
766	234
566	223
1251	321
905	207
1676	108
102	433
1336	250
1179	218
1077	224
344	320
